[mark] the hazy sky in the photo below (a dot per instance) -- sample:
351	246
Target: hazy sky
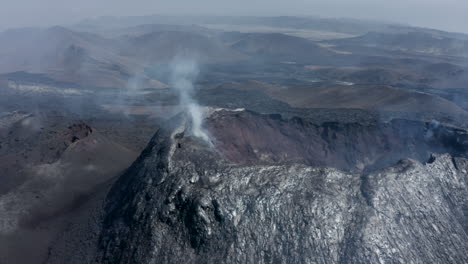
443	14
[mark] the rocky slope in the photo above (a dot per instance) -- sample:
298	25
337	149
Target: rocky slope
184	201
48	169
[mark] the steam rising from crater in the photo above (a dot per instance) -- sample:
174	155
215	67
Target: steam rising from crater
184	72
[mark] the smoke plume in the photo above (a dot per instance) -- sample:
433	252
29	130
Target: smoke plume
184	72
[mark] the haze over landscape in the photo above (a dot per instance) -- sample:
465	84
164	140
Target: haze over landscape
446	15
233	132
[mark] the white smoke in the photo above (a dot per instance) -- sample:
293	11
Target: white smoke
184	73
432	127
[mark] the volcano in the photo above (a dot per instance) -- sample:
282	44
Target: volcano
255	197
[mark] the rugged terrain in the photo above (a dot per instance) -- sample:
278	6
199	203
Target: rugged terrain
329	141
184	200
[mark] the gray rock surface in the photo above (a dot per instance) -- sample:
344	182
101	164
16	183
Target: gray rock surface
182	202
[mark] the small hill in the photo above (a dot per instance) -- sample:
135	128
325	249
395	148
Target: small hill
163	46
48	171
278	46
82	58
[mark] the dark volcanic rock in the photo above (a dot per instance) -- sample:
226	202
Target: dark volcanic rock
249	138
78	131
183	202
